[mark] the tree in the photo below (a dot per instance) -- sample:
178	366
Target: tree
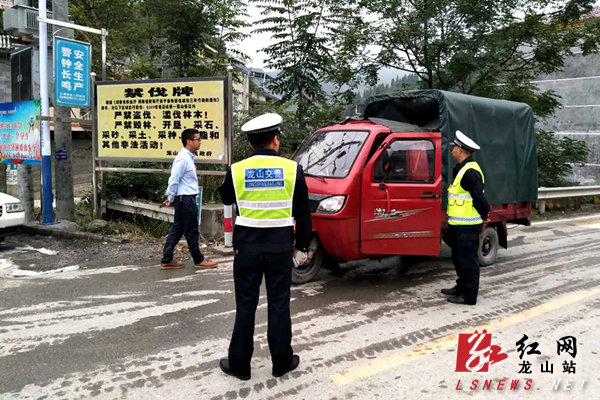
128	34
556	158
291	135
487	48
314	43
148	38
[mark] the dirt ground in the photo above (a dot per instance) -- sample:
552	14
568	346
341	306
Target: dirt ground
25	252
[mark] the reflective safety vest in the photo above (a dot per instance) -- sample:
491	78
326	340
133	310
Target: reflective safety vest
460	203
264	189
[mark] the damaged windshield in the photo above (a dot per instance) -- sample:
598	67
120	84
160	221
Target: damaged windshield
330	154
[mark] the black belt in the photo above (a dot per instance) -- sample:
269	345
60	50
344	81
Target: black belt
186	195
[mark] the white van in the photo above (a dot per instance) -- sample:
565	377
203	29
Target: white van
11	215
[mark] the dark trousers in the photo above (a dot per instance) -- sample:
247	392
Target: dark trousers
185	222
465	243
249	265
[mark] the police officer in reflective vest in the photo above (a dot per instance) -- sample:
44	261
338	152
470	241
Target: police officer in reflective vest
467	209
271	195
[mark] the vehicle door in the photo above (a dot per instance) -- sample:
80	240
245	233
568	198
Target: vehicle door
401	192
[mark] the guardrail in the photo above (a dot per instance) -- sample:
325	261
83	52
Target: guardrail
212	215
154	210
564	192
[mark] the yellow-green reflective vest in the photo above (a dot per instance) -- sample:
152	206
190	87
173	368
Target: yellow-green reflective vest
264	189
460	203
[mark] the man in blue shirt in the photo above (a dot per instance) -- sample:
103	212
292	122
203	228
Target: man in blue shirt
181	193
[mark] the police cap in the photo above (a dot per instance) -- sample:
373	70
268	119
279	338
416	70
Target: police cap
263	124
465	142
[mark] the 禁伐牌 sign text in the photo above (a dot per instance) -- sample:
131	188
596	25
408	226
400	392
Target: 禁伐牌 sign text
144	120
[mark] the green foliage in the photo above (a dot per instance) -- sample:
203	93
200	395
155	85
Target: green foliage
153	38
150	187
153	187
291	135
556	157
486	48
315	42
122	224
84	212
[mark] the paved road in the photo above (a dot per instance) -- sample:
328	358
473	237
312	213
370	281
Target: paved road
141	333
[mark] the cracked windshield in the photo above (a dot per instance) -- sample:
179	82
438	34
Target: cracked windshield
330	154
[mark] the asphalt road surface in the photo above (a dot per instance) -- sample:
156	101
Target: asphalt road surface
377	332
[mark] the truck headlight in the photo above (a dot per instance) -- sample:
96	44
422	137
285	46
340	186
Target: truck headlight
331	205
14	207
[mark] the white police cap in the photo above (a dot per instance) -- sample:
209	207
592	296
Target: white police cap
465	142
262	124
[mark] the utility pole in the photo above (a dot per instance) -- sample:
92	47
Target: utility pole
25	177
63	167
47	195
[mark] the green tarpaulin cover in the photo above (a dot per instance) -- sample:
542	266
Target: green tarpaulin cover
503	129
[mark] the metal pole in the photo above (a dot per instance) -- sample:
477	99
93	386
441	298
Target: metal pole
103	163
94	147
229	114
47	197
228	210
103	35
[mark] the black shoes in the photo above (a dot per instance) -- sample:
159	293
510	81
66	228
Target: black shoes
293	365
450	292
224	365
458	300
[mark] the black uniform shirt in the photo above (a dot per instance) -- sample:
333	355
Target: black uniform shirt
473	183
273	239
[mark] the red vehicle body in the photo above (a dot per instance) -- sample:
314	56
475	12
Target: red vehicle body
381	216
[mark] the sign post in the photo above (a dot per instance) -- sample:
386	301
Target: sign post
47	195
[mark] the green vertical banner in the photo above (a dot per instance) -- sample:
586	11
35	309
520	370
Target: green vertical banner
199	204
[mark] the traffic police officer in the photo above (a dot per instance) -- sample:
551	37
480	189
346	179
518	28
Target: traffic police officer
467	209
271	194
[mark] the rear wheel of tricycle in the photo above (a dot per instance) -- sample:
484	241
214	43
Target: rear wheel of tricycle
306	272
488	246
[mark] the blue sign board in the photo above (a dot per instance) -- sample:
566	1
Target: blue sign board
72	60
61	155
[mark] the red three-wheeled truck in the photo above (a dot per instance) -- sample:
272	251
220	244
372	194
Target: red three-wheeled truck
377	185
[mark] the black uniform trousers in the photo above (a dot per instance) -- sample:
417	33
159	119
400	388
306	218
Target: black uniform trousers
249	266
465	243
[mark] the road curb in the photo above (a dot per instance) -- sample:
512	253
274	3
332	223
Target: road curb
222	250
63	234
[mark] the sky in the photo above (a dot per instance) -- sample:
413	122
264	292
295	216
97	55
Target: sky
255	42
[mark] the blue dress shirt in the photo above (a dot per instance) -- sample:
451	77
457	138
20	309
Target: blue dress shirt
183	179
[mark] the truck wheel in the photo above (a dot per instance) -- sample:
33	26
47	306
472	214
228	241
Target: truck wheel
307	272
488	246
